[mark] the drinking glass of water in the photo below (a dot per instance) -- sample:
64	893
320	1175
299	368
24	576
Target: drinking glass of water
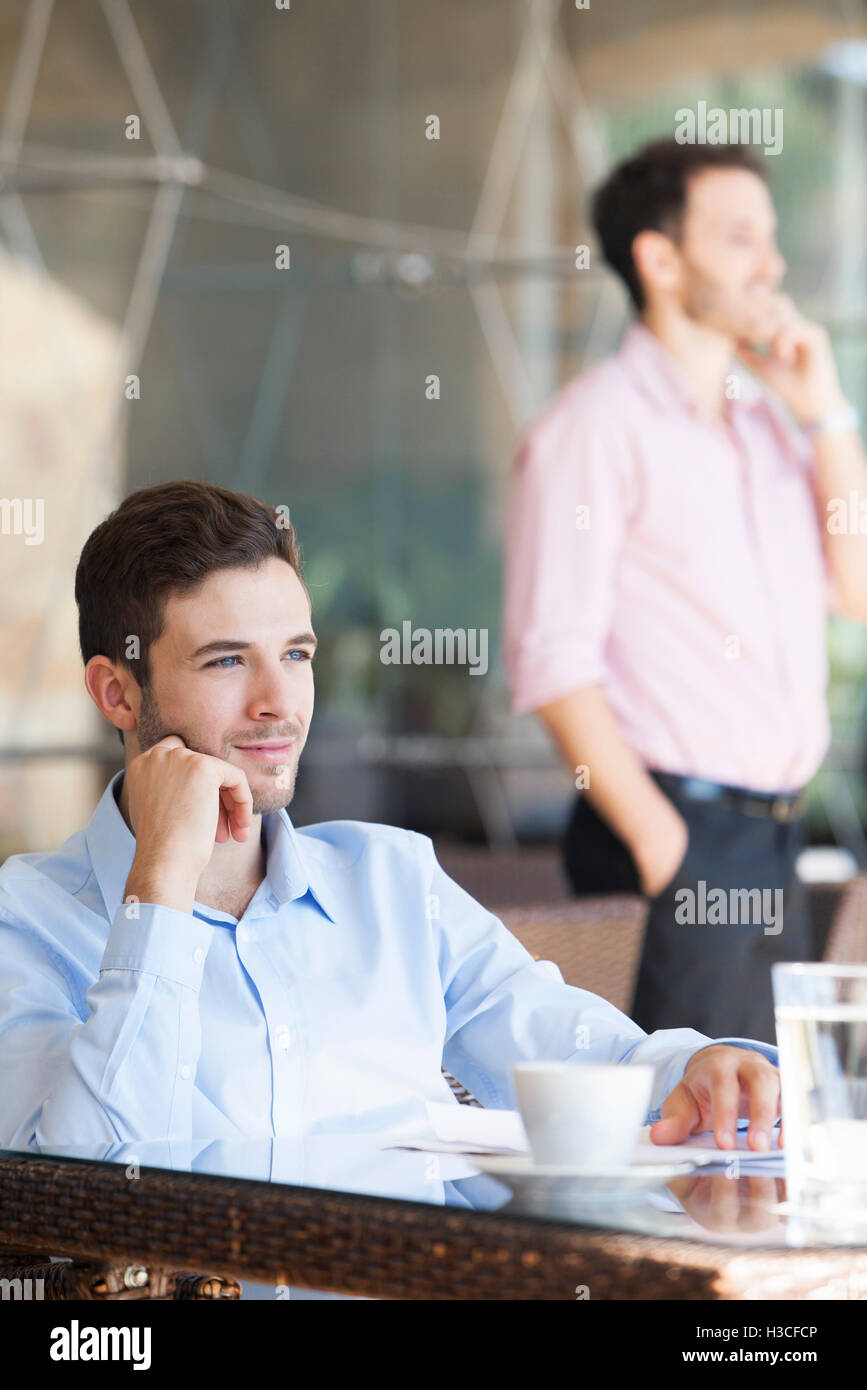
821	1019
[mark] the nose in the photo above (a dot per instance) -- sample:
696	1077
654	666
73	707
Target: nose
776	263
276	696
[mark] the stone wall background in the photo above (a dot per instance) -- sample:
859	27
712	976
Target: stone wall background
58	382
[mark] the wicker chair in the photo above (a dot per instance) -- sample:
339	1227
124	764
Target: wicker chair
596	942
847	939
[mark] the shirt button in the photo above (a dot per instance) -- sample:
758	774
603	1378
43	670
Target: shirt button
244	934
284	1038
198	955
186	1072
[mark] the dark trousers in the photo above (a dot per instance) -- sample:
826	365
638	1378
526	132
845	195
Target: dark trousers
708	949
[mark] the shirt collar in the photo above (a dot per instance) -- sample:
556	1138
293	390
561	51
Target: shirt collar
290	869
660	375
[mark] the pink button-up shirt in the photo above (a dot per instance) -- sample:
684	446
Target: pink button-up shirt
676	562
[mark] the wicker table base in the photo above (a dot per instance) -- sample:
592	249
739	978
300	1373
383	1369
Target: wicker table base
95	1280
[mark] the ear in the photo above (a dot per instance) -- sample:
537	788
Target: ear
109	686
657	263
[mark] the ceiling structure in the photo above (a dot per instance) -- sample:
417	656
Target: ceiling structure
577	61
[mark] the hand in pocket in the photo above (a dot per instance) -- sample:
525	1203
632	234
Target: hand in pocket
662	854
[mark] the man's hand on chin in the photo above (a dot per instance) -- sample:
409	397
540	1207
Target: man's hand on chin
799	363
721	1084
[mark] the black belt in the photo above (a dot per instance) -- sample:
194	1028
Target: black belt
783	807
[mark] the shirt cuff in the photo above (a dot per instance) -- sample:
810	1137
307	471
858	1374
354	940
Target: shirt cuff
159	941
678	1064
767	1050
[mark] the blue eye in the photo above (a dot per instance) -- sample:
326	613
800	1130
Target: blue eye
305	656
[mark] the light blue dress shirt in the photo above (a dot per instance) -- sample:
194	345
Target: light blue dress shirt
358	970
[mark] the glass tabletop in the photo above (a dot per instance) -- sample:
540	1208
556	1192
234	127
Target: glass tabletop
720	1205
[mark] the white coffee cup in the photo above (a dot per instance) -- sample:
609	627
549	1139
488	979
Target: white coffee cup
583	1114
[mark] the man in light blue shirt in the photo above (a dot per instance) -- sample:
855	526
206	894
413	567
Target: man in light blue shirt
191	967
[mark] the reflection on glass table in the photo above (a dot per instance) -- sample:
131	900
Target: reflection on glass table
706	1203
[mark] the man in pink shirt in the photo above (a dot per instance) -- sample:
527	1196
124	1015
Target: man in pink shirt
669	571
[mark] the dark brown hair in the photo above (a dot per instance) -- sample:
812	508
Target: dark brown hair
164	540
648	192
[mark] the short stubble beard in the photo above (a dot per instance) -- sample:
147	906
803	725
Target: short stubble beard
705	303
151	728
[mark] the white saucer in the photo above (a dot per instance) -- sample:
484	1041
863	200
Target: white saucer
521	1168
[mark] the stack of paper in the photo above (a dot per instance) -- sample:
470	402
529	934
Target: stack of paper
469	1129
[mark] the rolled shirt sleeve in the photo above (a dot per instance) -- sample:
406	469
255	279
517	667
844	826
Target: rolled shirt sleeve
127	1071
572	490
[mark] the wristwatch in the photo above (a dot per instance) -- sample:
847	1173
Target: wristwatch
835	422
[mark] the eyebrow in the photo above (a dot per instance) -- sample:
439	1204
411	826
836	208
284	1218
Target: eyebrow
227	644
749	222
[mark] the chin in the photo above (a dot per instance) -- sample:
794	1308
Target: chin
269	797
754	325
